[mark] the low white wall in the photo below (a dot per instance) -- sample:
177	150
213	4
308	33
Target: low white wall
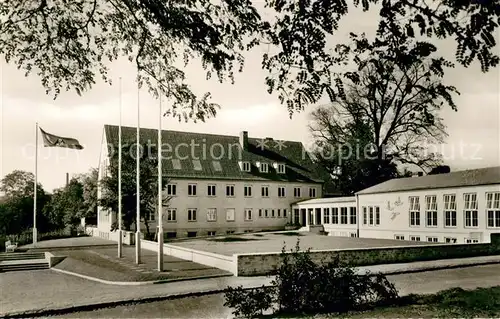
201	257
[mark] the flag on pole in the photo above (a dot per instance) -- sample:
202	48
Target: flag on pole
51	140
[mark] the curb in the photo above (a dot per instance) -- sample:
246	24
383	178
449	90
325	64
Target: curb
433	268
137	283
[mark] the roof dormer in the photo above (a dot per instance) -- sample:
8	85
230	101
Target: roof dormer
279	167
244	166
263	167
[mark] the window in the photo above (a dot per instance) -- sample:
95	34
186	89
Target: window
230	214
377	215
245	166
371	215
432	239
415	238
431	214
266	213
151	216
211	233
265	191
264	167
191	234
272	213
284	212
229	232
176	163
279	213
471	213
281	191
171	189
171	215
192	189
192	215
414	211
312	192
296	192
335	215
211	190
326	215
343	215
260	212
280	168
352	215
364	216
493	209
450	211
230	190
171	234
471	241
247	191
217	166
354	235
450	240
248	214
399	237
211	214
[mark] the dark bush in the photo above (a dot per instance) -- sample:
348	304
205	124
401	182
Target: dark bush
248	303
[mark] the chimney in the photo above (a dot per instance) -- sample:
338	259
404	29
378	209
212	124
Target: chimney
244	140
67	179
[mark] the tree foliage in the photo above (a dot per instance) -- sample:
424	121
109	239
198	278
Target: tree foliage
89	182
148	185
305	67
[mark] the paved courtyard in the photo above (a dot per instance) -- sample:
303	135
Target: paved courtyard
273	242
70	242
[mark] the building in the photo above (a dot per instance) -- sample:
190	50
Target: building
221	184
457	207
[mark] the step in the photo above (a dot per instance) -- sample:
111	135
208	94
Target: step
21	256
24	267
32	264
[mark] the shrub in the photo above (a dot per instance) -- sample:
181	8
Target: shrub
303	286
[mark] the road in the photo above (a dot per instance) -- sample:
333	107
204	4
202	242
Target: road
211	306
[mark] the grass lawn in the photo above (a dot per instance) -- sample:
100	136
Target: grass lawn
452	303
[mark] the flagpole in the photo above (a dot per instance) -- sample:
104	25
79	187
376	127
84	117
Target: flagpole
35	233
138	211
160	196
120	174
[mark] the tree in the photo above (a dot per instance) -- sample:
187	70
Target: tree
304	67
148	185
89	182
67	205
68	44
17	203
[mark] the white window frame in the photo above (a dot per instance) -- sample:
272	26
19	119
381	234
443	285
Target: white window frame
211	233
365	215
450	210
260	213
192	189
399	237
230	190
272	213
450	240
248	214
414	211
344	215
284	212
246	166
471	240
171	215
281	191
280	168
493	210
326	215
212	215
212	190
371	220
431	211
264	191
335	216
247	191
266	213
192	212
353	216
296	192
414	238
377	216
228	216
171	189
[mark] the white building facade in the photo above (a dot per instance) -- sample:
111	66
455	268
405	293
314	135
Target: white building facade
458	207
249	185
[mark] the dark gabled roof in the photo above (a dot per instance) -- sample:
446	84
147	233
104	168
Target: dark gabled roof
473	177
299	166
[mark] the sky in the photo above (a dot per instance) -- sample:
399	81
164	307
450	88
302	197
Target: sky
474	131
